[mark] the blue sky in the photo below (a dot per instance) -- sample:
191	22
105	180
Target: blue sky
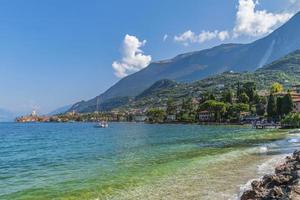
58	52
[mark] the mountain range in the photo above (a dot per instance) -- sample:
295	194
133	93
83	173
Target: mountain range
194	66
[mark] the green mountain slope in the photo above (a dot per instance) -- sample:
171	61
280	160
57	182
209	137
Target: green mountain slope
285	71
190	67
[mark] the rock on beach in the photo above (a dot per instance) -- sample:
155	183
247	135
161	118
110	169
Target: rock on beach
283	185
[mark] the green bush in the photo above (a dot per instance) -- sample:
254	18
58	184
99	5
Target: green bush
292	120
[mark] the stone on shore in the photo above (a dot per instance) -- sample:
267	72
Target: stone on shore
283	185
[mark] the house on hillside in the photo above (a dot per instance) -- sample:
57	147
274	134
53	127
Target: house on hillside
171	118
297	104
140	118
205	116
296	100
296	89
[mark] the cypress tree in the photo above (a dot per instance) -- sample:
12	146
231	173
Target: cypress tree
250	89
271	107
279	106
287	104
260	109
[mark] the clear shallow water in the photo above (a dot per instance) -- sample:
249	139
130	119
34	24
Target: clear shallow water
133	161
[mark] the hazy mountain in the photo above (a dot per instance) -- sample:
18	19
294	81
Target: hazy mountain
60	110
194	66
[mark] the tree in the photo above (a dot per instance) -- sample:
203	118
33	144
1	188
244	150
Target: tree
287	104
239	89
208	96
276	88
187	105
279	102
188	111
242	107
234	110
260	109
263	100
250	90
256	98
227	96
271	107
156	115
292	120
219	109
243	98
171	107
207	105
216	107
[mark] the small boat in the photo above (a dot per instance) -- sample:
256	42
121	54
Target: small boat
102	124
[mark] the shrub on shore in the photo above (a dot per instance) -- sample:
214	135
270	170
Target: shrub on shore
292	120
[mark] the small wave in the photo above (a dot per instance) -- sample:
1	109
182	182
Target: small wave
263	149
269	166
244	188
263	169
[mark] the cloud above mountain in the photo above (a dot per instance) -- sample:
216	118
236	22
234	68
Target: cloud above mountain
189	37
133	58
252	22
249	22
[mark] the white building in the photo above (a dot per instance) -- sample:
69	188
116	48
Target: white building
140	118
171	118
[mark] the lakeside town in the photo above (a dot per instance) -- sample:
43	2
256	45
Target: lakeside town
243	106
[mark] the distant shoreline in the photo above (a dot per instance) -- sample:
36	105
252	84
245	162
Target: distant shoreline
183	123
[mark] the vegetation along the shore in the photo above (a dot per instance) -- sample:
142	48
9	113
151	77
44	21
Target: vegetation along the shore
244	104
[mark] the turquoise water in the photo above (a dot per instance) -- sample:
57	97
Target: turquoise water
130	161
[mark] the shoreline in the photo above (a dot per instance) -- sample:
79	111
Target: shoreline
284	183
133	122
158	123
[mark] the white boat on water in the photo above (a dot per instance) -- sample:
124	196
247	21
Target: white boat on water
102	124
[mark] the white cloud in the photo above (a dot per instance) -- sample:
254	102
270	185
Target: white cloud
133	58
186	37
165	37
189	36
223	35
206	36
252	22
249	22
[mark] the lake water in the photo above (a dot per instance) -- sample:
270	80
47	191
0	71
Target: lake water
134	161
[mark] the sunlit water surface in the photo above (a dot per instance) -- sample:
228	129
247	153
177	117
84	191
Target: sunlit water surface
134	161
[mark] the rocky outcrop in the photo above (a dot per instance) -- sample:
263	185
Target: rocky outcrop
283	185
